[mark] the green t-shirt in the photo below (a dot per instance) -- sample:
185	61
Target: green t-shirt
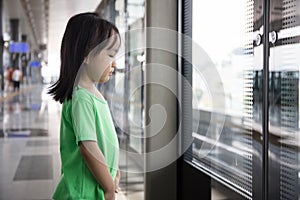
85	117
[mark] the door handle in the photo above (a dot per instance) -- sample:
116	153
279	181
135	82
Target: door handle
258	39
273	37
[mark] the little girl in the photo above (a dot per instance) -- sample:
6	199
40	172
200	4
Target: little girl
89	146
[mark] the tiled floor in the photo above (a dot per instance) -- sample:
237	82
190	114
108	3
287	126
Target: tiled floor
30	163
29	148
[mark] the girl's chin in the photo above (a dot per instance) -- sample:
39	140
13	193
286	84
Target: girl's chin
104	80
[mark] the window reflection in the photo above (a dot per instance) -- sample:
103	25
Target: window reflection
231	35
223	34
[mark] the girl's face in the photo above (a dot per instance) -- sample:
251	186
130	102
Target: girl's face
101	66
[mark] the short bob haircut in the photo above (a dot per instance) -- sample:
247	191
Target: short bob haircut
83	33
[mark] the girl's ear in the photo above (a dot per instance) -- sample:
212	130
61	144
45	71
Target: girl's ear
85	60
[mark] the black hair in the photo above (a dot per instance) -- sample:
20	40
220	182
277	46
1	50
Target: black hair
83	33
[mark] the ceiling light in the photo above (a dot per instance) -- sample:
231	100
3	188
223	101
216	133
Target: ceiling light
6	44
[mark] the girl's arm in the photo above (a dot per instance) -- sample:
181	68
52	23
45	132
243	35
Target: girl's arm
117	181
96	163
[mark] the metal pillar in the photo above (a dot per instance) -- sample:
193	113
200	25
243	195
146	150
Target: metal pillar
1	48
14	29
160	184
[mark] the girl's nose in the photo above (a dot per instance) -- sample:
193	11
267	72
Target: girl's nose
113	64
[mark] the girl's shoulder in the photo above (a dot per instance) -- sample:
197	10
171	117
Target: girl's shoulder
80	93
83	94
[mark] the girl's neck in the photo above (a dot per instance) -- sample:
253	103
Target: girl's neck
86	85
85	82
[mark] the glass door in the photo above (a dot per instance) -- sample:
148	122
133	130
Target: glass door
227	93
246	134
284	62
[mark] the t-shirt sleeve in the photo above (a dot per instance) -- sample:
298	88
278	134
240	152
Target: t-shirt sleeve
84	120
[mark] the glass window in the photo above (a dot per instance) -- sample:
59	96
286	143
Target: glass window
224	73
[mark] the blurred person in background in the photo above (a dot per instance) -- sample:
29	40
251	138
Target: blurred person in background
16	78
8	78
